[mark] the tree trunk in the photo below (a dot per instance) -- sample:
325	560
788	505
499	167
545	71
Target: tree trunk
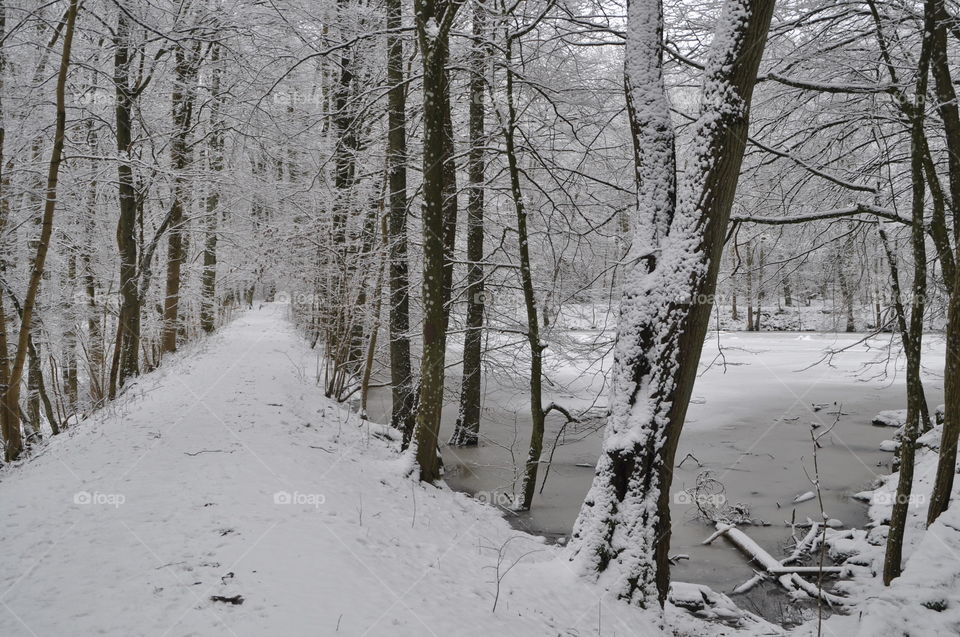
467	430
749	299
433	21
624	525
401	370
912	337
71	386
530	302
182	107
950	115
208	284
126	360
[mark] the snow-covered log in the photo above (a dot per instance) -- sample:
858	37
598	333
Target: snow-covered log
788	576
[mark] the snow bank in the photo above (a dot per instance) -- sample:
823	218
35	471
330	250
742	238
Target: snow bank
925	599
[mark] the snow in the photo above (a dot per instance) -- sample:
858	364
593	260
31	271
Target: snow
889	445
431	28
891	418
226	473
925	599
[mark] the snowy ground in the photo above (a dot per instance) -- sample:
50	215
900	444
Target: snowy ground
227	474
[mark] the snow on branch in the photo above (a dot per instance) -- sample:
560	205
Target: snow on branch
836	213
829	87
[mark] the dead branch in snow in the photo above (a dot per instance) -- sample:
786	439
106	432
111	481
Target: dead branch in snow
788	576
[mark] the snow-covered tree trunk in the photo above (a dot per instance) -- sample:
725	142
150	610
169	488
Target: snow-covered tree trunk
623	532
433	22
209	306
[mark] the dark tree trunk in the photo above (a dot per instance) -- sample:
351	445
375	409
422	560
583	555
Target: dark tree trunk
434	19
466	432
126	358
529	483
182	100
950	115
401	370
912	336
71	387
749	274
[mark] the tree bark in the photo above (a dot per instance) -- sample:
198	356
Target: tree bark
950	115
529	299
434	19
467	429
624	525
208	285
126	357
401	369
912	339
182	100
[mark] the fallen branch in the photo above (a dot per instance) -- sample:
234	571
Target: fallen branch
788	576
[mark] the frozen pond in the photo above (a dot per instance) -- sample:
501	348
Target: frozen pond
749	425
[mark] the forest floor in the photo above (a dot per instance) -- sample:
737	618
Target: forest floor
224	495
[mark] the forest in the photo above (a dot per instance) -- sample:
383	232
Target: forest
472	317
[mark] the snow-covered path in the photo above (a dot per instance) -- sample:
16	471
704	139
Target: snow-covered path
227	473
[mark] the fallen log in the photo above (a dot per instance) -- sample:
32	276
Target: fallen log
807	570
788	576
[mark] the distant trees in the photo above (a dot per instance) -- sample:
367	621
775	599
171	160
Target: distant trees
11	396
96	319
